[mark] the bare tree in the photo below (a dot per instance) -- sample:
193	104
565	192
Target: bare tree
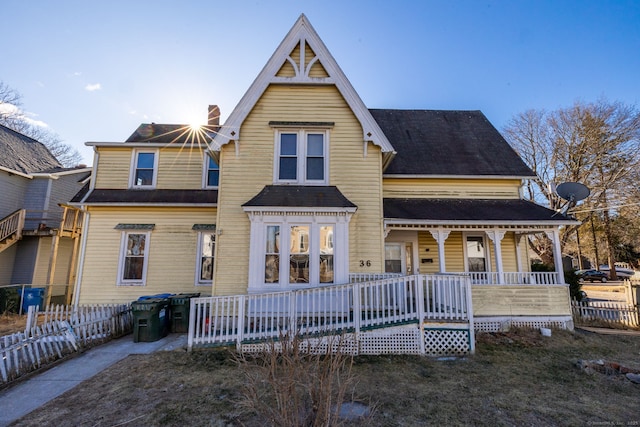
12	116
597	144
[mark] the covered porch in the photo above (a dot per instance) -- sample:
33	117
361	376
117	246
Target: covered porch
486	240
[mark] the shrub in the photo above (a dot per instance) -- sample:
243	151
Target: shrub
297	382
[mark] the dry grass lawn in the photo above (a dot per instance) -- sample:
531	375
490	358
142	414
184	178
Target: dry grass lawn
514	379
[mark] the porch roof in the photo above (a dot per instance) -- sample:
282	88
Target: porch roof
300	196
473	211
144	197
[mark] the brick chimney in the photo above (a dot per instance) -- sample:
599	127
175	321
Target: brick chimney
213	118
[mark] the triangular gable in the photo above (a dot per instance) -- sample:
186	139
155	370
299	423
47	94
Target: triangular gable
301	58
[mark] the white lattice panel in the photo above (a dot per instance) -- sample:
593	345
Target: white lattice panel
498	325
391	341
446	342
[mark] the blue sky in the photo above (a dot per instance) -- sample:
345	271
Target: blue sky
95	70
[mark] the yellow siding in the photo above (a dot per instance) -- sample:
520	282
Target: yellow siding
520	300
113	168
242	177
426	241
454	252
179	167
451	188
172	252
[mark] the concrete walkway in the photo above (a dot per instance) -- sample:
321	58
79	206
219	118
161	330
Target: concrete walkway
30	394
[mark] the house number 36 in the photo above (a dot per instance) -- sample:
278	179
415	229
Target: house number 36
363	263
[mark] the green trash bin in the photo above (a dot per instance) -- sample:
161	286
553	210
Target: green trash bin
180	307
150	319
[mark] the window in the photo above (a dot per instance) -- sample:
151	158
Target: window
144	169
212	169
301	157
272	255
206	251
307	253
326	254
299	254
133	262
476	256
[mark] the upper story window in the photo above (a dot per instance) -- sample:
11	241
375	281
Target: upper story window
212	172
301	156
144	169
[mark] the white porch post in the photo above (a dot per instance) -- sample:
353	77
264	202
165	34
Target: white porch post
440	236
554	235
496	237
518	239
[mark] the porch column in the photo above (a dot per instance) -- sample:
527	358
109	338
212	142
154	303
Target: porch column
496	237
440	236
517	239
554	235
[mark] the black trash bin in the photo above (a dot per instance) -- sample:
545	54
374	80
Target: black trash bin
180	308
150	319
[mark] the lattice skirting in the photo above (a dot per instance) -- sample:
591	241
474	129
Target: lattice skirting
447	342
433	341
502	324
391	341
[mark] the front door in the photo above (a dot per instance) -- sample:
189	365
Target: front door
398	258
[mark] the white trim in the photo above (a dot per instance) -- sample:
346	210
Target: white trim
301	33
195	205
439	176
80	267
15	172
123	253
550	223
143	145
133	168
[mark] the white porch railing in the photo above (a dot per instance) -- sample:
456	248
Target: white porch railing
352	307
514	278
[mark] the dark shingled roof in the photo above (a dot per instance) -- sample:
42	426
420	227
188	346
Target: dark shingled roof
300	196
164	133
469	210
435	142
151	196
20	153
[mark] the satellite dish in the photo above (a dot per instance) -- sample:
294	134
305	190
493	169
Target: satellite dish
573	192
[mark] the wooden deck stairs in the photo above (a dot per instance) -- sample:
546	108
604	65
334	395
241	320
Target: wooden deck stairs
11	228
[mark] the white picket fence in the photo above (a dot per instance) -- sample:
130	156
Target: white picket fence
605	311
58	331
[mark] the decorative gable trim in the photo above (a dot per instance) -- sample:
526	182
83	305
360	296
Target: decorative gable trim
301	34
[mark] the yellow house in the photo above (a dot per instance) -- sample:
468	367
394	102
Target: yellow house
303	187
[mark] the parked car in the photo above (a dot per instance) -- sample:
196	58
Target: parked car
592	276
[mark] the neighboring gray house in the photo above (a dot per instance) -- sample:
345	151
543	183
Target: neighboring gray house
37	232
